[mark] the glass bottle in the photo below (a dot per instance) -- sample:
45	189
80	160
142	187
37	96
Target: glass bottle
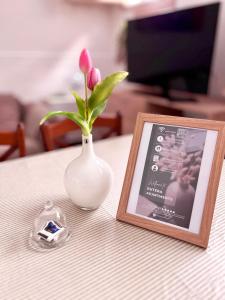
50	230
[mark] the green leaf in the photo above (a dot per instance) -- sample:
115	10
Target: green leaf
73	116
80	104
103	90
96	112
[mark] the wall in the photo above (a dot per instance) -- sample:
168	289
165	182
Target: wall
217	81
41	40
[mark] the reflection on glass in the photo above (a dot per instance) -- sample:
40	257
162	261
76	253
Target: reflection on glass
50	230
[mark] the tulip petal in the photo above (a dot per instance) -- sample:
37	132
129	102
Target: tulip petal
85	63
93	78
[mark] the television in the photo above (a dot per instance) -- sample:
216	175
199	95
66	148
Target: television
173	51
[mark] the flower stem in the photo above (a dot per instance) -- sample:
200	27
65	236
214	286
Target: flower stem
86	97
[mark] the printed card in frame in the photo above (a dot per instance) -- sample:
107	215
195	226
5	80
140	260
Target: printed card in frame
173	175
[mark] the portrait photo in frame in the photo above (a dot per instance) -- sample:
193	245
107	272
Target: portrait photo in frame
173	175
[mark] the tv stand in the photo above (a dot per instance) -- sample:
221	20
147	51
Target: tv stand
173	96
181	99
198	106
131	98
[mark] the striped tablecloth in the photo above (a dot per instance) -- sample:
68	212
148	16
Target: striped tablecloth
104	259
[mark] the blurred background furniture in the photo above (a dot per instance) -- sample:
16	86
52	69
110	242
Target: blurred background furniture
15	140
206	109
130	98
41	70
11	112
64	133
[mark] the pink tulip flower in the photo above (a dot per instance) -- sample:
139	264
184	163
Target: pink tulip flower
85	61
93	78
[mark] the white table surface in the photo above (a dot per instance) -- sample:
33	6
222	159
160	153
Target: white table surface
105	259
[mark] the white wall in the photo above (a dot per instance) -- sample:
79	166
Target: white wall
40	42
217	81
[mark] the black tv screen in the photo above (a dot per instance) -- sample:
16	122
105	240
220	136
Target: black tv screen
174	50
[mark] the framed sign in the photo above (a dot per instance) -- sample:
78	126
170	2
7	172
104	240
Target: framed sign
172	176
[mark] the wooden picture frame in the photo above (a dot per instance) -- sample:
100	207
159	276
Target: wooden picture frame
173	191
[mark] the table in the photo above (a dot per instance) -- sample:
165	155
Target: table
105	258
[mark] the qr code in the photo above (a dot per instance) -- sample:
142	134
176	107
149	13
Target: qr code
181	132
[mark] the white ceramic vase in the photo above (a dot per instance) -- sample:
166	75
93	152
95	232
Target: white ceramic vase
88	178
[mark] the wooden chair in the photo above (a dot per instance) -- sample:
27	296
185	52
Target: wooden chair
15	140
54	134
